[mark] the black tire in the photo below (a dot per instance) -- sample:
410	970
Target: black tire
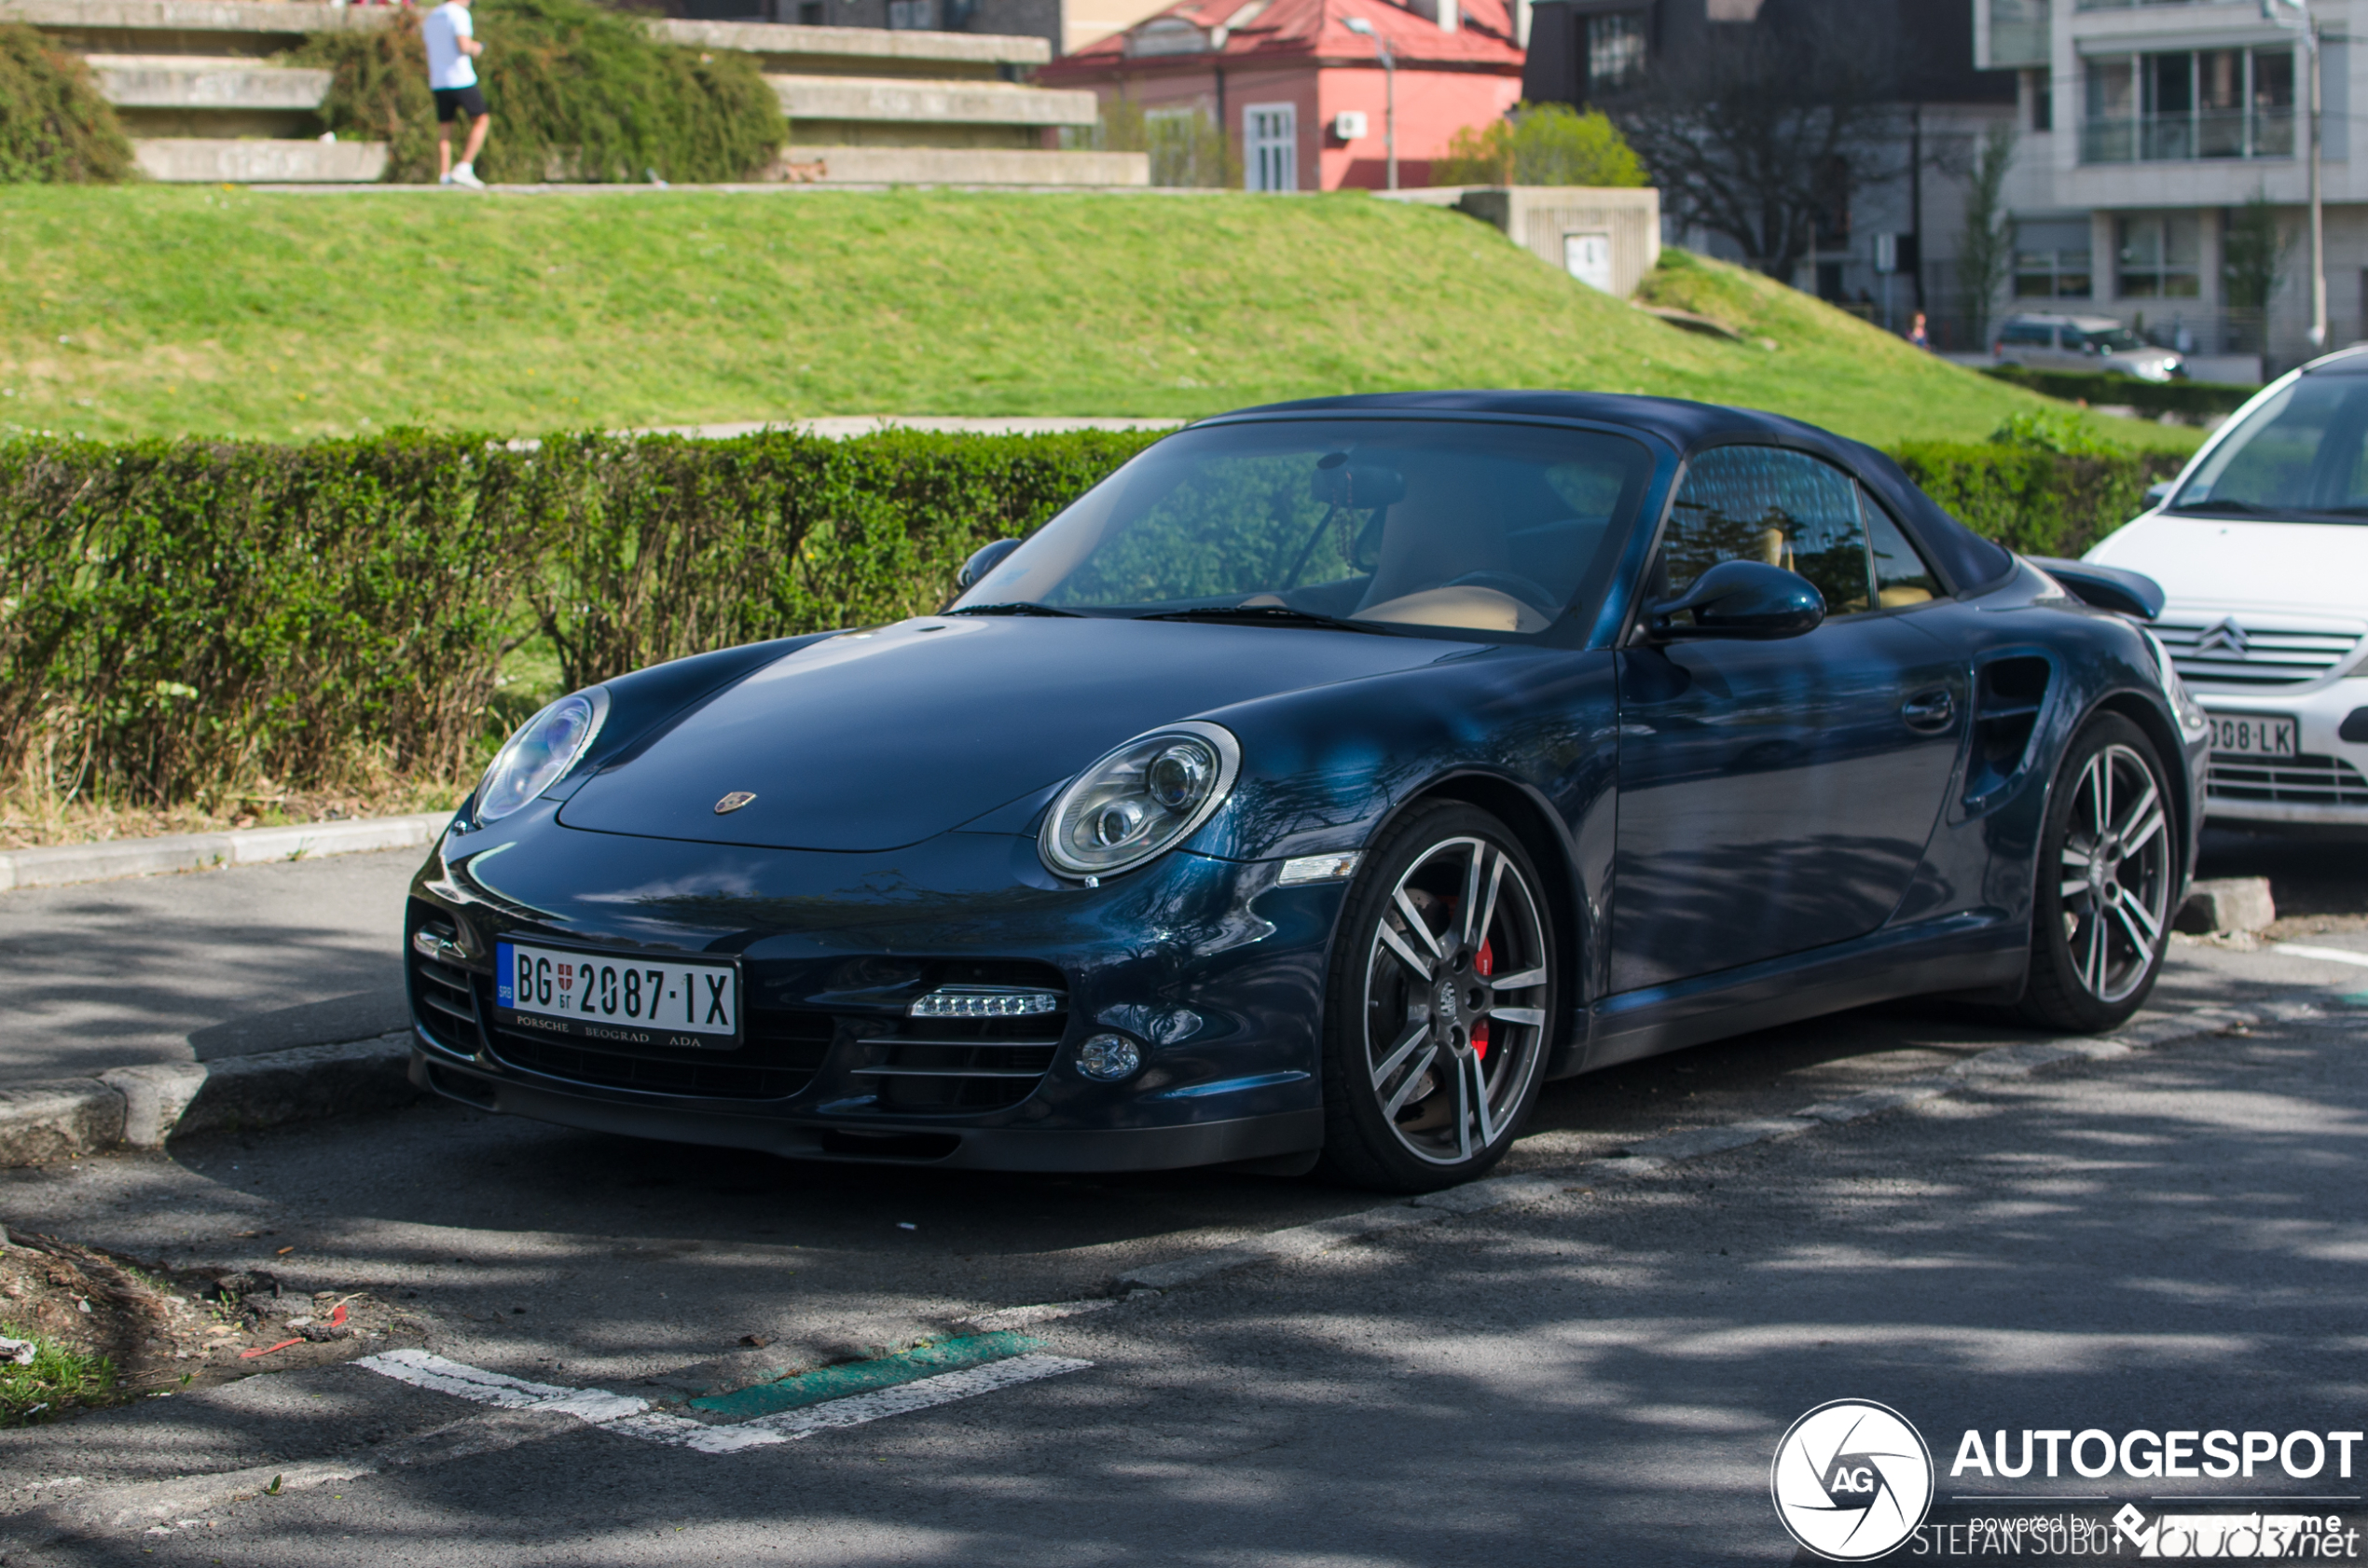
2100	900
1401	1006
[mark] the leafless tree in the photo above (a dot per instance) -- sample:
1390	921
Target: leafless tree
1762	133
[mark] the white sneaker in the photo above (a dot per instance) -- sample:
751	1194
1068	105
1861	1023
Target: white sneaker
444	179
464	175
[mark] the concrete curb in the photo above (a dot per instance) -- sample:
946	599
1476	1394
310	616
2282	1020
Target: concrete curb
140	1107
1650	1155
62	864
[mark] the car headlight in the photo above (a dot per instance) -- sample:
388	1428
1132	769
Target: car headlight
540	752
1140	800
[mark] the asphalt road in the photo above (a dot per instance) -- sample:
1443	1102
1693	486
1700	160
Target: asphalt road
2169	1240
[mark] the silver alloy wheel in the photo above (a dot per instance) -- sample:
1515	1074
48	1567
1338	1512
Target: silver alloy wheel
2115	885
1455	989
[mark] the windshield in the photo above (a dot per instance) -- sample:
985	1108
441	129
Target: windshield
2101	340
2301	451
1388	524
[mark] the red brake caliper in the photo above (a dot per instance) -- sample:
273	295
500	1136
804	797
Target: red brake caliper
1484	964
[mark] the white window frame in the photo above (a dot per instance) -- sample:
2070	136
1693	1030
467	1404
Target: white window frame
1270	161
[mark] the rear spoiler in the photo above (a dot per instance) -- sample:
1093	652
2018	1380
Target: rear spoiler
2107	587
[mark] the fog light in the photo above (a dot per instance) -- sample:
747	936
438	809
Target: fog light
986	1001
1107	1058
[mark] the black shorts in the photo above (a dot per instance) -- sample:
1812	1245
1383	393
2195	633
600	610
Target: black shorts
452	101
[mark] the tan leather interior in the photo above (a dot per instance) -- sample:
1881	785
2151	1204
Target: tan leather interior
1892	598
1475	607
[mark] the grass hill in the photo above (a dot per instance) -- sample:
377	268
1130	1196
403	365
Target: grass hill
162	310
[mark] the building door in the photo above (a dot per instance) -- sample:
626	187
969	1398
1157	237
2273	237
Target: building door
1587	257
1271	146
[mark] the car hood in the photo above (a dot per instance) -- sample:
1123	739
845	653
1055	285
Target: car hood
877	740
2312	567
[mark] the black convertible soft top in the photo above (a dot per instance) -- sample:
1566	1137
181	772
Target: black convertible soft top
1966	561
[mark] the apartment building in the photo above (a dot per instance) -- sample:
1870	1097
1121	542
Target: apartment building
2148	125
1886	242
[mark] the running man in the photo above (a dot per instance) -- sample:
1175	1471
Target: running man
451	40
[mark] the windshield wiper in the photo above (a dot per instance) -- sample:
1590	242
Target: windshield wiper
1265	614
1014	607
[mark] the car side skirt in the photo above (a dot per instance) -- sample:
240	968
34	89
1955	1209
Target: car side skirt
1965	951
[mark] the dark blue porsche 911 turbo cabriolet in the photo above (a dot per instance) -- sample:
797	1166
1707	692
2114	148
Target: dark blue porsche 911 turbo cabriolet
1317	785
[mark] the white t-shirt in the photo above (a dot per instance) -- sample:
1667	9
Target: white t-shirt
445	26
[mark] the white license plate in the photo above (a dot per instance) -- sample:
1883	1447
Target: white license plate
2256	734
616	996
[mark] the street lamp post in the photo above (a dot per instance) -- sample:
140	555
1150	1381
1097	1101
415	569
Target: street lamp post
2295	15
1389	89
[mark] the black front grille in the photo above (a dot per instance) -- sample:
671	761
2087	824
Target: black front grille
779	1056
2303	780
442	995
958	1063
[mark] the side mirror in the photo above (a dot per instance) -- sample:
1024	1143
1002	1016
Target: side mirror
985	559
1749	600
2159	492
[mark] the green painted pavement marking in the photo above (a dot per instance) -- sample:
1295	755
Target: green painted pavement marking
861	1377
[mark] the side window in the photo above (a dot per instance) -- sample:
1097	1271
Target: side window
1766	503
1901	575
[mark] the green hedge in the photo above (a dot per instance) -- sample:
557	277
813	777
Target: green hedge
2192	399
2029	499
178	620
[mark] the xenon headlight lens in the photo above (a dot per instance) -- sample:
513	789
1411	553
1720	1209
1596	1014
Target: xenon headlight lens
1140	800
540	752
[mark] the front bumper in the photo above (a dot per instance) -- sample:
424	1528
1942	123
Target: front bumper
2323	783
956	1148
1216	971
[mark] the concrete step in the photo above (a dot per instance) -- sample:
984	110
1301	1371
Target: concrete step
972	166
201	159
253	18
150	81
909	102
869	48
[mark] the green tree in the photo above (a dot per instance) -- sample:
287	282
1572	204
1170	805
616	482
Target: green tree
1187	147
55	127
1986	255
1540	145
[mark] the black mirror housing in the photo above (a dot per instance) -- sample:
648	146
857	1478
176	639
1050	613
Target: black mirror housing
1741	599
985	559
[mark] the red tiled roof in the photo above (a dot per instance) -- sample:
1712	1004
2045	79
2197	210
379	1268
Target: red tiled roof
1278	30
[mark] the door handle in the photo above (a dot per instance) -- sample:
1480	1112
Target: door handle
1930	712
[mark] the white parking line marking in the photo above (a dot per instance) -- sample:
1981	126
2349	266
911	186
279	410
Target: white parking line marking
2324	955
630	1417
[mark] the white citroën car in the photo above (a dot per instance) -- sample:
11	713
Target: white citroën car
2262	547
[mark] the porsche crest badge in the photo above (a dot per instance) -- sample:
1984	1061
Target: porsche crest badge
733	802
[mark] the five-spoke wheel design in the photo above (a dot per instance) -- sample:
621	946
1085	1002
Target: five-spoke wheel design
1450	977
2107	869
2115	861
